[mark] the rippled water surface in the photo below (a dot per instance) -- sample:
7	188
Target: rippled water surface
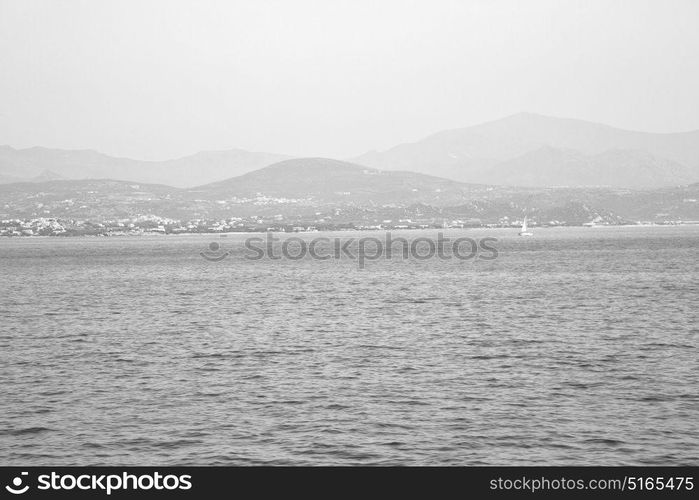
576	346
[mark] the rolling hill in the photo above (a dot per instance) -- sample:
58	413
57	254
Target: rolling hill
327	180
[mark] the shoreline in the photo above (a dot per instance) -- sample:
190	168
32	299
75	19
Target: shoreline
226	234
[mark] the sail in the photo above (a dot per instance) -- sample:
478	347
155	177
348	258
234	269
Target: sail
524	225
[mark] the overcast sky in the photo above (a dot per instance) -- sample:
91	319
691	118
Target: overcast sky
163	79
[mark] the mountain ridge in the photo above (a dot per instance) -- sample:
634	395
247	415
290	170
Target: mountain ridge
198	168
467	152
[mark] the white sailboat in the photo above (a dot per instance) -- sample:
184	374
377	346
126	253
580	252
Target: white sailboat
524	231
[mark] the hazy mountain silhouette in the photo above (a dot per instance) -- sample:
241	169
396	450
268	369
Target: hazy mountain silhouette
521	150
549	166
545	151
200	168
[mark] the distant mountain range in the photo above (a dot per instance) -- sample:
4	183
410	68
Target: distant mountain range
525	150
18	165
534	150
312	188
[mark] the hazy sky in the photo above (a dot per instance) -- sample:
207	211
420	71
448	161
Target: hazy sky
163	79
